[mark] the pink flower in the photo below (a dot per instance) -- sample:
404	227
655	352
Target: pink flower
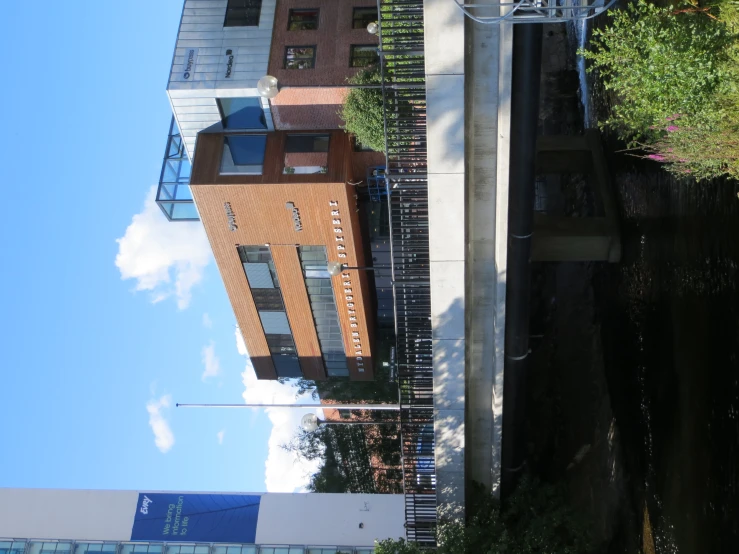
656	157
672	128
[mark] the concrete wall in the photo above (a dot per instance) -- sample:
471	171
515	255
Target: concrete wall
445	88
67	514
330	518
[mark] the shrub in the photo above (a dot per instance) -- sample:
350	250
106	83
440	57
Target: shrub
660	62
362	111
535	520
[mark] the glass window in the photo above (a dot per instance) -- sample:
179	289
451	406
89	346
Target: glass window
242	113
243	13
234	549
300	57
243	154
262	279
361	17
101	548
323	307
12	547
140	548
180	211
306	154
275	323
303	20
258	275
363	55
281	550
39	547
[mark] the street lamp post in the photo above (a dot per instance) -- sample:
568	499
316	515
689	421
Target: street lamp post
335	268
310	422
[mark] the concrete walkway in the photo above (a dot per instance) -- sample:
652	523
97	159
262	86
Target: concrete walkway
468	119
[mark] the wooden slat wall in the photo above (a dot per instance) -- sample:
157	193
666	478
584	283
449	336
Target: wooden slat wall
262	218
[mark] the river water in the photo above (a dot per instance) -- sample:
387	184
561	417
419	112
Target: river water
669	314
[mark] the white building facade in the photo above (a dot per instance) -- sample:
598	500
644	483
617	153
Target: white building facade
55	521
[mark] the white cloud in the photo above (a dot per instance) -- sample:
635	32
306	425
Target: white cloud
163	436
210	361
284	471
207	321
220	434
164	258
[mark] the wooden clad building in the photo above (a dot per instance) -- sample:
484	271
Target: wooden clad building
273	226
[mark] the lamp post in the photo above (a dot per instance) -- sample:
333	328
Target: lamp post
335	268
310	422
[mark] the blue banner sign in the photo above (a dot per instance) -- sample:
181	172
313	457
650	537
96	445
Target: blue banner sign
196	517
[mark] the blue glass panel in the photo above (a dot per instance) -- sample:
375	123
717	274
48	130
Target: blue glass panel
242	113
184	211
247	149
183	193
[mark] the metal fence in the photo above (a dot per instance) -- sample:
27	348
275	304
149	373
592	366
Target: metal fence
404	98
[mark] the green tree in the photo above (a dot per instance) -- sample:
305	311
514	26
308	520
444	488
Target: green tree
675	73
660	62
346	461
362	111
534	520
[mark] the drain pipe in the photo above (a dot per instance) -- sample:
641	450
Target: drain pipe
526	74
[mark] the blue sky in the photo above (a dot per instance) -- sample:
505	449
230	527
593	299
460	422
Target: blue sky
109	313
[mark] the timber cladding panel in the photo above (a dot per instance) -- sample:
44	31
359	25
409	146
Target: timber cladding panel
257	214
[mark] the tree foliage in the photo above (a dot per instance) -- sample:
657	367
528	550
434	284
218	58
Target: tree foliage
674	71
362	111
347	456
535	520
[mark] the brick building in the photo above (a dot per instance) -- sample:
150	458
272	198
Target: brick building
277	185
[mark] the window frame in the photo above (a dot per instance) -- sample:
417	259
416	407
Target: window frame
285	59
294	11
352	56
363	21
226	138
231	20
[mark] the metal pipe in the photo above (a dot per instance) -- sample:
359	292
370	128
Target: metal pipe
526	68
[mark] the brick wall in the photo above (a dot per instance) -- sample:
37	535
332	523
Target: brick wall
296	109
332	40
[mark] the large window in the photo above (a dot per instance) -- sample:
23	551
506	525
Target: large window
12	547
300	57
243	154
39	547
323	307
361	17
243	13
234	549
96	548
242	113
305	154
303	20
261	275
363	55
141	548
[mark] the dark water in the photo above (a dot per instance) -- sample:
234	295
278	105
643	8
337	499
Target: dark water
670	321
669	316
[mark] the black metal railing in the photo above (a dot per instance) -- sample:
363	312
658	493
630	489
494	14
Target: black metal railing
402	77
